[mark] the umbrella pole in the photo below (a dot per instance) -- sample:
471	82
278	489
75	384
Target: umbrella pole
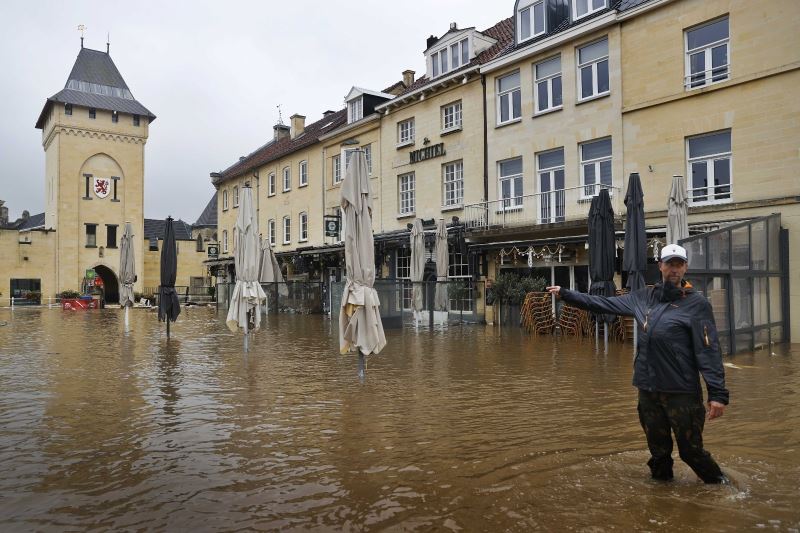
605	335
247	319
361	366
168	327
126	318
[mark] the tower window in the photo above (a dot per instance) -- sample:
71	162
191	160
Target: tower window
67	109
135	120
88	178
115	116
111	235
91	235
92	112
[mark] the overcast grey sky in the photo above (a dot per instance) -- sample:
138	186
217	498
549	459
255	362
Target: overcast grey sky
212	72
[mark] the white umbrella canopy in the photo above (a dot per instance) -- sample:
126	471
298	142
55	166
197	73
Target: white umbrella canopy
360	325
417	265
270	270
441	302
127	267
677	207
247	293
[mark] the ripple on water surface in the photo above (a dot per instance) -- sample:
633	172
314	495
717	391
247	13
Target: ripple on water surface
467	428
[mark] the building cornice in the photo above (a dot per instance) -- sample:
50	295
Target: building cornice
461	76
94	134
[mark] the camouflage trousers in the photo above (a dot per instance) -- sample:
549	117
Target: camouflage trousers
662	414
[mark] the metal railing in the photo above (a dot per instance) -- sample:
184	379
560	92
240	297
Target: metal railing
706	77
549	207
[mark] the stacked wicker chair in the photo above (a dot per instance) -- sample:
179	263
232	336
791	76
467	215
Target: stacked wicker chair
574	321
536	314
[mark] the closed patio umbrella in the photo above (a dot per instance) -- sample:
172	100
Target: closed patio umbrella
360	325
127	270
634	261
602	249
417	267
168	305
247	293
270	270
442	265
677	207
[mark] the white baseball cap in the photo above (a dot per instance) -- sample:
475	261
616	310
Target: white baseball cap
671	251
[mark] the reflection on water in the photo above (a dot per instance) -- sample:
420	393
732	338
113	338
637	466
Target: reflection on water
470	428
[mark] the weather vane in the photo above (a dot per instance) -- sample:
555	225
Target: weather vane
81	28
280	117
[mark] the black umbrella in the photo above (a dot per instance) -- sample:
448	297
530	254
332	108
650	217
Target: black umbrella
602	248
634	261
168	306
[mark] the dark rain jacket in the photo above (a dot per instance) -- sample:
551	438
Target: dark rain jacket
677	338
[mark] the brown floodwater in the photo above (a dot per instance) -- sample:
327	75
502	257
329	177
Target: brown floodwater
470	428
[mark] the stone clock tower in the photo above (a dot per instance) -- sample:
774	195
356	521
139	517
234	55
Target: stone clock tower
93	133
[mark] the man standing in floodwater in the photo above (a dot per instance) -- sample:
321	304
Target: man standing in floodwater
677	342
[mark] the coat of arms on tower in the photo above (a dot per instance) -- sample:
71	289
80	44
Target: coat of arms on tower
102	186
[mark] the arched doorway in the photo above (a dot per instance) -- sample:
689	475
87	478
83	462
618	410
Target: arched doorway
110	283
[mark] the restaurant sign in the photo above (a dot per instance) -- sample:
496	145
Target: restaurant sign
213	251
332	223
429	152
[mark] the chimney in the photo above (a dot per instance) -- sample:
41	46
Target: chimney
328	113
453	26
432	40
281	131
298	123
408	77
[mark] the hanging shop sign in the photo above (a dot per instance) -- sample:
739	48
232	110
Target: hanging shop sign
213	251
331	225
429	152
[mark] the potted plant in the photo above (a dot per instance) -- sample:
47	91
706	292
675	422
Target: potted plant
70	299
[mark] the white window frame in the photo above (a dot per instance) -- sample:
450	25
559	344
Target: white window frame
589	8
458	270
287	178
225	241
595	162
302	171
530	7
709	160
336	169
594	65
708	78
355	109
450	57
514	201
368	156
287	230
235	196
548	80
406	195
303	226
509	94
402	271
224	199
271	231
553	201
271	185
453	185
405	132
451	117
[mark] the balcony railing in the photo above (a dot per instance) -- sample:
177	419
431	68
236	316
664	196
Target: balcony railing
560	205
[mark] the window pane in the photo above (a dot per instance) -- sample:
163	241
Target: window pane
719	251
596	149
582	7
504	108
538	18
699	181
556	83
464	51
774	244
598	4
722	178
697	65
758	250
548	68
559	181
443	56
718	143
509	168
586	82
518	186
541	92
551	159
525	23
509	82
588	174
506	188
516	96
741	248
435	64
593	51
719	58
742	316
544	182
602	76
454	55
707	34
605	173
775	314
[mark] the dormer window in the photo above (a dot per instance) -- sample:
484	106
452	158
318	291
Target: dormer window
531	19
355	109
582	8
450	57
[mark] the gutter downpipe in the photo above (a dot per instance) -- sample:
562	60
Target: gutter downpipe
485	144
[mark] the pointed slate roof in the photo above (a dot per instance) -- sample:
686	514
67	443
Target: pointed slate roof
96	82
208	218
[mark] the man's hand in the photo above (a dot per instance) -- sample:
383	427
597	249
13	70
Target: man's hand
554	289
715	409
